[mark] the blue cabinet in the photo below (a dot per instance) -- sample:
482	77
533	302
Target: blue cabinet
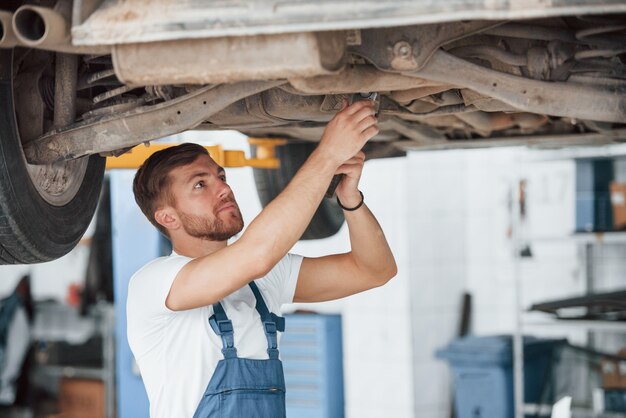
593	197
135	242
311	351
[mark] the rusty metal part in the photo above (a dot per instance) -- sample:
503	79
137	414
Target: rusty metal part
139	125
538	63
554	98
407	96
536	32
29	104
227	60
48	28
111	108
535	141
598	81
489	52
135	21
66	73
308	131
109	94
529	120
94	78
595	35
273	107
552	62
421	106
436	112
446	98
7	35
599	53
356	78
417	133
113	99
444	103
484	103
485	123
409	48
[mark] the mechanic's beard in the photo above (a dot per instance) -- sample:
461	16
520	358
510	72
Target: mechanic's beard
212	230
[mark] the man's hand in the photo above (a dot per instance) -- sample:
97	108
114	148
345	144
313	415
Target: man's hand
348	189
348	131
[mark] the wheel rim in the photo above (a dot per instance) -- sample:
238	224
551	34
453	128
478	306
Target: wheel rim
56	183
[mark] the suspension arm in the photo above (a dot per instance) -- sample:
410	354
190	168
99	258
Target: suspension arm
139	125
567	99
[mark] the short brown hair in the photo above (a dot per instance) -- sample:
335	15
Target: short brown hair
151	182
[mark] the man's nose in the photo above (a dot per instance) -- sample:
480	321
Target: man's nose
223	189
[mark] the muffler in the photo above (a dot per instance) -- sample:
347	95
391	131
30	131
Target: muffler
7	36
49	29
38	27
230	59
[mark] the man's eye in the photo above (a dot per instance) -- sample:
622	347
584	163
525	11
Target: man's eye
223	178
199	185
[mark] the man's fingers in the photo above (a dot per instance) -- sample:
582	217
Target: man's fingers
354	163
369	133
357	106
363	113
366	123
357	159
347	168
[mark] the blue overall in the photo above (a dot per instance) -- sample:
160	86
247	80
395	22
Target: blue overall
245	388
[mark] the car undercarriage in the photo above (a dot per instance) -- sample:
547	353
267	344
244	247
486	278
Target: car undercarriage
89	79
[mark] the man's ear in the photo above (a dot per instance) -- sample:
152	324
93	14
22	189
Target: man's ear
167	218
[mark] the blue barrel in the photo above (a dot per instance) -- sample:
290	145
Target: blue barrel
482	370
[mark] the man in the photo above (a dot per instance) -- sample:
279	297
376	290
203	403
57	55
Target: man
207	295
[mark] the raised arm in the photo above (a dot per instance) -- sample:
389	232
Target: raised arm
208	279
369	264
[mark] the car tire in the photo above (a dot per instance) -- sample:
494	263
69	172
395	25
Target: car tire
41	217
328	218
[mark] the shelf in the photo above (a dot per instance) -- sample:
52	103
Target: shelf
577	412
75	372
587	413
574	323
600	237
584	238
598	151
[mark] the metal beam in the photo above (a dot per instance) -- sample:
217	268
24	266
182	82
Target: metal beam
133	21
539	142
140	125
567	99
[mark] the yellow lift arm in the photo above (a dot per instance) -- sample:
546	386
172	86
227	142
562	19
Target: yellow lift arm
265	155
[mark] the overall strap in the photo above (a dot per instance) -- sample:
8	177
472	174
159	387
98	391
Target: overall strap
271	322
224	328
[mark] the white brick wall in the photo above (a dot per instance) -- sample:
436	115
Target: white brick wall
460	240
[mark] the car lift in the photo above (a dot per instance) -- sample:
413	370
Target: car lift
265	155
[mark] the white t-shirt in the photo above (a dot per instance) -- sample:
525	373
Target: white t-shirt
177	352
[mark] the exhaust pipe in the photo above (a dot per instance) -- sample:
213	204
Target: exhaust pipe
49	29
7	36
41	27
